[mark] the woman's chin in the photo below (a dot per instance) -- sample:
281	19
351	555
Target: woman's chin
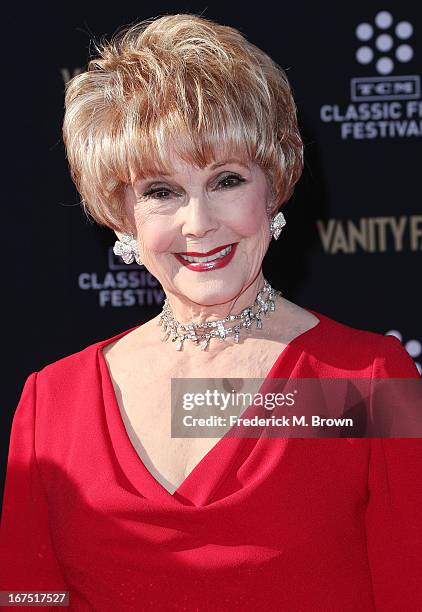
211	292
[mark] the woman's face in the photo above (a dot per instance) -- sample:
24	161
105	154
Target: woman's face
195	211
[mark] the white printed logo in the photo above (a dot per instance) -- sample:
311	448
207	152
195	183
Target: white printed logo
383	105
123	284
390	44
413	347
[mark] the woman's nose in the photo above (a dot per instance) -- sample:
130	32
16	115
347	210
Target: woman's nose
197	218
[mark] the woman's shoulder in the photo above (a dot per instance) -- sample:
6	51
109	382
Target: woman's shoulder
333	329
351	348
80	364
330	332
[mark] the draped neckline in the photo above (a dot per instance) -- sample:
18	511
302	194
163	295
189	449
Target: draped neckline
203	481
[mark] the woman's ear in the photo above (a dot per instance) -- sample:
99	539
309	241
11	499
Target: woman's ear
271	205
128	230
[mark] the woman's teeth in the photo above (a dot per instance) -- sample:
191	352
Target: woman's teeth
217	255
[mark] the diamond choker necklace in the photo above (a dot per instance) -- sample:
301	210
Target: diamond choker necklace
179	332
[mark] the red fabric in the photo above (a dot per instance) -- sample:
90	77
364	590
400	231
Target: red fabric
259	524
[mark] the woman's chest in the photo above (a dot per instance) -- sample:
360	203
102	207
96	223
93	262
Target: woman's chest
153	404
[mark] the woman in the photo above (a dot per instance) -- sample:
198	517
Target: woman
182	137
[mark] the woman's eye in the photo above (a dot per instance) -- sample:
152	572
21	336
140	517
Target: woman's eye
232	177
154	192
227	181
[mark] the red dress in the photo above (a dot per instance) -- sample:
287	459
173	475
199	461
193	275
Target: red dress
259	524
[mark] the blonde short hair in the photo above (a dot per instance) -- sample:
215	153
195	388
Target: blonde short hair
180	80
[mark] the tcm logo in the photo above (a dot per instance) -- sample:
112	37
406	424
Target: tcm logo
380	88
384	45
381	105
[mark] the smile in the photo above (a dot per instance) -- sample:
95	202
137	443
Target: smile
210	257
216	258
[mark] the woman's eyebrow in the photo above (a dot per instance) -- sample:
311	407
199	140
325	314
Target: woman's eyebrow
229	161
213	167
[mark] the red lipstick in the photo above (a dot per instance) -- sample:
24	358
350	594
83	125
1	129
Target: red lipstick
207	254
205	266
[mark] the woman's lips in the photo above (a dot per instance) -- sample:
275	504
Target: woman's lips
207	254
205	266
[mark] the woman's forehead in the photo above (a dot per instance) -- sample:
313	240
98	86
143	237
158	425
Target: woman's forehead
178	163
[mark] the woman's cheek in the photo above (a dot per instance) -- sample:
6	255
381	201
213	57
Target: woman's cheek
248	219
156	234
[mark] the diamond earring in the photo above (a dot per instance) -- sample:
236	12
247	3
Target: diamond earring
276	225
127	249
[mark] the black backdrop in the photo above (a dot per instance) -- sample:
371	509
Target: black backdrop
352	247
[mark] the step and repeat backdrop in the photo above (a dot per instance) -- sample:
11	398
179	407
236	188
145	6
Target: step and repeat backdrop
352	247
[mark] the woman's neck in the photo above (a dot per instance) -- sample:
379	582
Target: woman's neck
186	311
